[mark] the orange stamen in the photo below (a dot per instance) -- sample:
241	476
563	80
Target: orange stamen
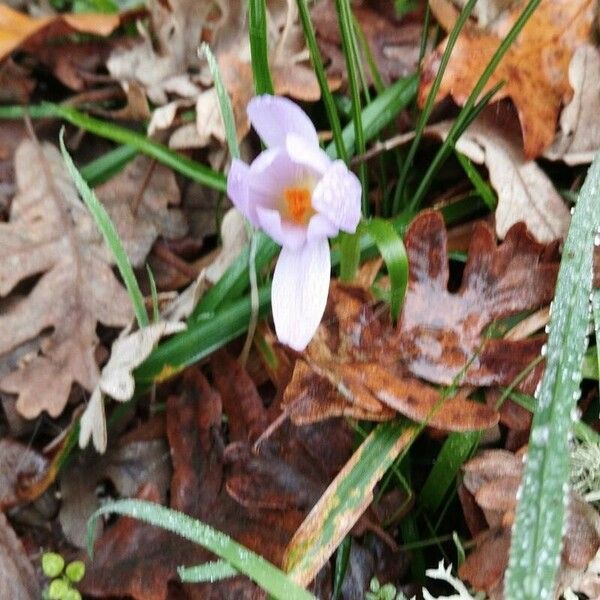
298	204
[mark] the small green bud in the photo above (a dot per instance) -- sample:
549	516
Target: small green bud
75	571
57	590
52	564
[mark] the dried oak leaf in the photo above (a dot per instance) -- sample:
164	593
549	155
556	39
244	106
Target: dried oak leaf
440	332
51	236
359	365
578	137
17	575
492	479
251	497
534	68
525	192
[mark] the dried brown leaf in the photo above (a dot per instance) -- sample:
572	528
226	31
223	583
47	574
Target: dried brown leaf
578	138
51	235
525	192
534	68
440	332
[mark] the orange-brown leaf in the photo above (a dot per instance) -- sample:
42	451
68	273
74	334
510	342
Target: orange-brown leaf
535	68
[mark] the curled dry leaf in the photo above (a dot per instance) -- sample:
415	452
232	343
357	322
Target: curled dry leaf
19	464
17	29
534	68
17	575
51	236
578	137
525	192
129	351
492	478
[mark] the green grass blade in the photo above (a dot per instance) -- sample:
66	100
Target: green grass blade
379	113
481	187
342	557
257	29
106	166
344	501
200	339
344	12
429	102
349	255
540	516
391	247
317	63
262	572
224	101
111	237
121	135
596	317
582	431
211	571
465	114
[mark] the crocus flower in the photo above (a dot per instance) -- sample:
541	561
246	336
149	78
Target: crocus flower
300	197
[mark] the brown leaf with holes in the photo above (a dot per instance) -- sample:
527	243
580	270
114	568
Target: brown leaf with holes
52	236
441	331
358	365
534	69
258	498
491	481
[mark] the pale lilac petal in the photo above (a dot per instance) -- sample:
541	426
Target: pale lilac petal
337	196
320	227
238	189
274	117
299	293
286	234
305	153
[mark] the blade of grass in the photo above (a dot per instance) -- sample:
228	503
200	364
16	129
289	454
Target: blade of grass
190	168
391	247
344	13
429	102
345	499
111	237
379	113
341	566
234	150
464	115
106	166
266	575
257	29
224	101
540	515
326	95
481	187
211	571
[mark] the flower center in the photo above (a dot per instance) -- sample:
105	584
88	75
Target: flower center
298	204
